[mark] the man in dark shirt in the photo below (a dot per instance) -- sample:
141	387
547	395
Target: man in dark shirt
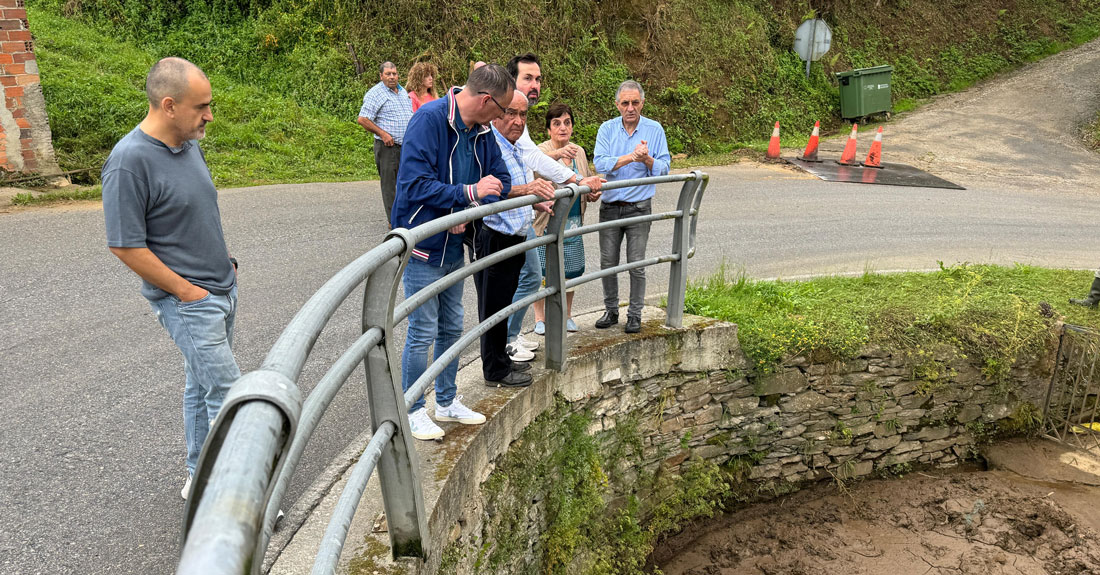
163	222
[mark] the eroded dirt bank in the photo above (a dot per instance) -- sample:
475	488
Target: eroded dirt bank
964	520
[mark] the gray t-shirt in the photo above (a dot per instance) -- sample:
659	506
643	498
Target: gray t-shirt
163	199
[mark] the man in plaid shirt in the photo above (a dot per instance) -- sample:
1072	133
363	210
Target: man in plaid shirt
496	284
385	113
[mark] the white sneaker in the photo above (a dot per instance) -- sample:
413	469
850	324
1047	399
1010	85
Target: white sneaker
186	488
519	353
422	426
458	412
526	343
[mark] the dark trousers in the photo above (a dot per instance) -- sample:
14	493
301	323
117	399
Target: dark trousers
611	242
496	285
387	158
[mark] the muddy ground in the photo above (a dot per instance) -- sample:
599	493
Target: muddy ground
1019	518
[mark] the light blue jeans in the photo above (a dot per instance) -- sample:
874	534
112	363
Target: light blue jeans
530	280
439	321
203	330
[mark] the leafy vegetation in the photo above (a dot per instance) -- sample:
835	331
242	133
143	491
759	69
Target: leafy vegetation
992	314
94	88
558	464
718	73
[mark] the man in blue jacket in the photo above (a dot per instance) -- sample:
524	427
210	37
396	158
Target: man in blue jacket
450	161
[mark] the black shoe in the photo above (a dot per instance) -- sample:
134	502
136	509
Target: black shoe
633	325
513	379
520	367
609	319
1093	298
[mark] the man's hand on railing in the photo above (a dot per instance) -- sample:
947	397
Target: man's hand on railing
542	189
594	183
458	229
489	186
547	207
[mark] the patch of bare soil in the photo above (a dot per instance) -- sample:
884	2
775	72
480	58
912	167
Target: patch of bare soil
958	521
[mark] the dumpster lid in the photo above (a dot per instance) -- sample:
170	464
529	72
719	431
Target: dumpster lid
862	71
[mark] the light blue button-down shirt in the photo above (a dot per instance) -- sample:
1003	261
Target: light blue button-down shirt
612	141
388	109
515	221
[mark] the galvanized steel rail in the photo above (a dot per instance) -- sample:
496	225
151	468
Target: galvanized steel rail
258	438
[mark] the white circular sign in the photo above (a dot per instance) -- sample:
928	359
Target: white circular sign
812	39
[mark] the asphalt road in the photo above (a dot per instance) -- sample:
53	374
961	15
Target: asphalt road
91	443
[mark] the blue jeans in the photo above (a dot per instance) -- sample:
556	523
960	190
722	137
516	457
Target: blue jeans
203	330
438	320
530	280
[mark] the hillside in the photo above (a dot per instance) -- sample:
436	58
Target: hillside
717	73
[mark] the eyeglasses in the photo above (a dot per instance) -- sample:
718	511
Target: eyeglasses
494	100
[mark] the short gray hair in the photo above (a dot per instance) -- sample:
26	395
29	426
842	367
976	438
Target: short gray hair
491	78
629	85
385	65
169	78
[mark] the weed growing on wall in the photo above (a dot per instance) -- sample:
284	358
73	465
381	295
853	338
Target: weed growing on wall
571	475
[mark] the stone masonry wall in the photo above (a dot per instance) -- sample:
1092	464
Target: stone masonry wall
25	139
806	422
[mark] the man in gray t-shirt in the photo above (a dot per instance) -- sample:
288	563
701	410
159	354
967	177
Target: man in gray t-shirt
161	210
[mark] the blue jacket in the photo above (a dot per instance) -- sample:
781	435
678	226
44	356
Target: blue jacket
426	189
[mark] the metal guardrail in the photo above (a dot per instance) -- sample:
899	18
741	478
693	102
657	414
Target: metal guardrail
1072	404
258	437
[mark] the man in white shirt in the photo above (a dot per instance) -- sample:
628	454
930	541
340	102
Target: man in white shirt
528	75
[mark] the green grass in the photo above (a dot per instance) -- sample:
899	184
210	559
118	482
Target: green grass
989	313
93	86
64	195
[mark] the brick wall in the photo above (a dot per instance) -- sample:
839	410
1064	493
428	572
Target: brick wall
25	139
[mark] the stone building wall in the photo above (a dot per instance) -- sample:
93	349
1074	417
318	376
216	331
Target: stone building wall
25	139
806	422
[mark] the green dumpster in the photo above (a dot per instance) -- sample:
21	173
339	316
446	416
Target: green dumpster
864	91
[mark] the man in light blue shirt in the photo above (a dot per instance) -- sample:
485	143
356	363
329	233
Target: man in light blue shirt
386	112
628	147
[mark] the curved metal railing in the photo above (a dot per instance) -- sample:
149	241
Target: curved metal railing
264	426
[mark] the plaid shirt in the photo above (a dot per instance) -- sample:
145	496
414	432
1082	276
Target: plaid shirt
389	110
515	221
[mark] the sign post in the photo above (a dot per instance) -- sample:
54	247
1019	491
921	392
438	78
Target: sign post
812	41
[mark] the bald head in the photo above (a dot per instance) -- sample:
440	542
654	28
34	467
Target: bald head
511	124
170	78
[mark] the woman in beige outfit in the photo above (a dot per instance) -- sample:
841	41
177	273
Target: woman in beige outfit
559	126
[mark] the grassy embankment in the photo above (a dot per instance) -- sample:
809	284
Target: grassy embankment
990	313
94	85
718	73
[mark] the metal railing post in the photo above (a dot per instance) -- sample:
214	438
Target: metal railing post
398	468
245	448
555	303
677	274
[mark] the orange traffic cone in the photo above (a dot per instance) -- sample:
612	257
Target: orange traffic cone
773	145
810	155
848	158
874	157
